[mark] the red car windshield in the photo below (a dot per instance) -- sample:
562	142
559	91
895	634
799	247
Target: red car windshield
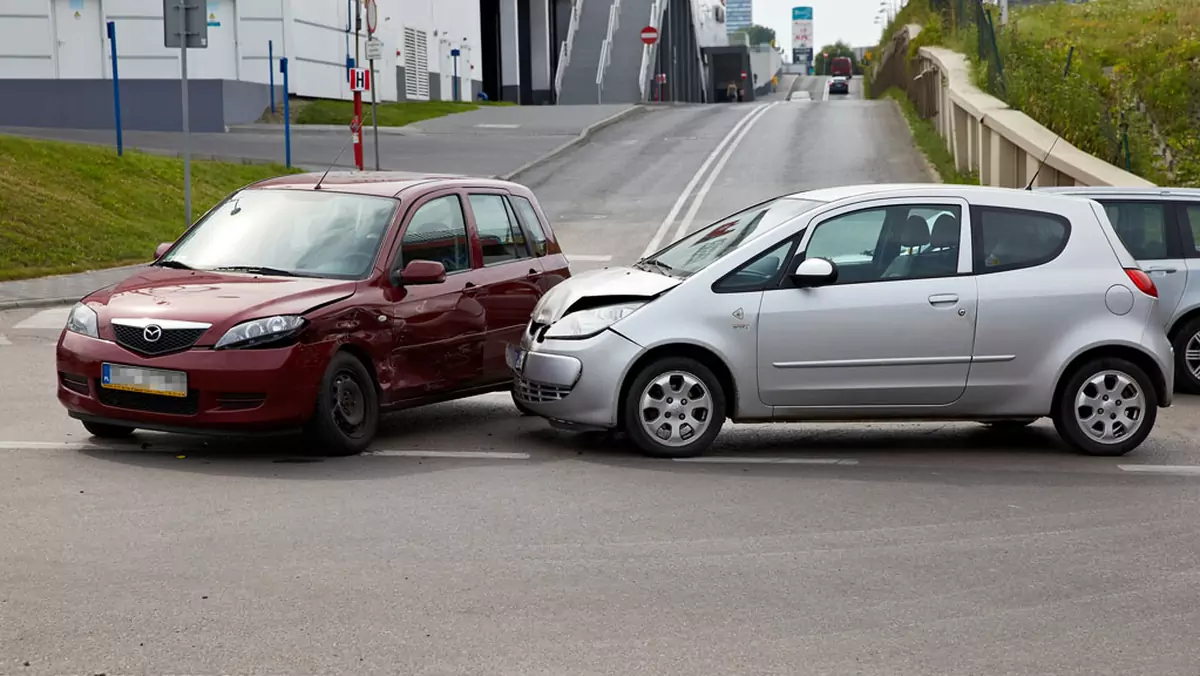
299	233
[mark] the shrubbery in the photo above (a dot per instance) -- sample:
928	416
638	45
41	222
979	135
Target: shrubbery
1135	66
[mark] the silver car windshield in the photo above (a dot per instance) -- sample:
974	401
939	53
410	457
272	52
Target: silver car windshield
701	248
297	233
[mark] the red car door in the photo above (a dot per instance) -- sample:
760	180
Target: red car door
438	330
509	277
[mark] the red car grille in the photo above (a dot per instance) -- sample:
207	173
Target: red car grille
133	338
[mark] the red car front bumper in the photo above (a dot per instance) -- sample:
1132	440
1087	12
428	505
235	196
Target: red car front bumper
232	391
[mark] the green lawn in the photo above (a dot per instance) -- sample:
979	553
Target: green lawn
66	207
930	142
390	114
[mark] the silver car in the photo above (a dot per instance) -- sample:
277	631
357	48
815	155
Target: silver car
1161	228
845	304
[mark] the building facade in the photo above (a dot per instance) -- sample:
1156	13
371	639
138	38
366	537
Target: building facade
55	57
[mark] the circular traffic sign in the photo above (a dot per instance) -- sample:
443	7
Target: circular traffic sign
649	35
372	15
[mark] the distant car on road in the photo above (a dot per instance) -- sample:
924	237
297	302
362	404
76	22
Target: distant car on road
1161	228
298	305
839	85
845	304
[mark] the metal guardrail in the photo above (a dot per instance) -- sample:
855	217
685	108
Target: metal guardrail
614	13
564	53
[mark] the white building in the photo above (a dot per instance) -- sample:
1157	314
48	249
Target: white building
55	56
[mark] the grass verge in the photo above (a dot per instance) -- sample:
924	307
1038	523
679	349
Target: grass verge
66	207
390	114
930	142
1132	96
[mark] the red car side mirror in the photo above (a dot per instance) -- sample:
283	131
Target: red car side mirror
421	272
162	249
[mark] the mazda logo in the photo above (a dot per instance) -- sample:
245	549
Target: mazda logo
152	333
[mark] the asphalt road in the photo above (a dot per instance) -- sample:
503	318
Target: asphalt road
474	541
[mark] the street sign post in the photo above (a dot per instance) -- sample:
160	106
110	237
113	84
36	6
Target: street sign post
356	120
185	25
649	35
454	84
374	51
116	78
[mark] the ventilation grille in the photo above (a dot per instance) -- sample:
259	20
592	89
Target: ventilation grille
416	64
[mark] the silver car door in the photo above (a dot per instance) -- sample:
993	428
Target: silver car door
888	331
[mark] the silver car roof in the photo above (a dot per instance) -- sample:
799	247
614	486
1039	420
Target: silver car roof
1119	191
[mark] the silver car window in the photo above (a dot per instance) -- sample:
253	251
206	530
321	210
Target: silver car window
708	244
1142	227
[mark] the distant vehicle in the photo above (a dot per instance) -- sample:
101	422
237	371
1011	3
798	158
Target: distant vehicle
288	307
841	65
1161	228
843	304
839	85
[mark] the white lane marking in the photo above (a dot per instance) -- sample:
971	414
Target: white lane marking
718	460
493	125
173	448
463	455
825	85
1179	470
687	191
712	175
4	340
54	318
589	257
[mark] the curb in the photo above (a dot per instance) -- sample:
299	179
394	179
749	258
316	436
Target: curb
929	168
324	129
582	137
38	303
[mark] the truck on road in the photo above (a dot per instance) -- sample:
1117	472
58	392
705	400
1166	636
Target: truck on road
841	65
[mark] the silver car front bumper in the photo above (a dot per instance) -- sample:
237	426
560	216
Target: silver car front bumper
573	381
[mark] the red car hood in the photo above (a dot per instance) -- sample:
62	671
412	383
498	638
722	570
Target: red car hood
221	299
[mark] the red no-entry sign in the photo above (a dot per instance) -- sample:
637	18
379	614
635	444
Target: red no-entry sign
743	75
649	35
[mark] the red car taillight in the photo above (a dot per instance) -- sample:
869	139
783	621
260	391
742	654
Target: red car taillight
1142	281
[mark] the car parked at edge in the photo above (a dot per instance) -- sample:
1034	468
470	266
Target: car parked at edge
1161	228
1020	305
839	85
313	305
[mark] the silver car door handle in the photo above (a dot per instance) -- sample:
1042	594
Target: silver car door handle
943	298
1165	271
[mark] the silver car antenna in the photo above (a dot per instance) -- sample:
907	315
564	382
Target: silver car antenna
350	138
1066	70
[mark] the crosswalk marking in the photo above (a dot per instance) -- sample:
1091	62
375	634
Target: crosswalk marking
54	318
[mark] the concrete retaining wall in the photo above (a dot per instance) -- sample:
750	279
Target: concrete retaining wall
1003	146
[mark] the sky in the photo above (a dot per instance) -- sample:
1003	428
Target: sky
850	20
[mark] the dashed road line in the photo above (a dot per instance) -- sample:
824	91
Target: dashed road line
733	460
456	455
1177	470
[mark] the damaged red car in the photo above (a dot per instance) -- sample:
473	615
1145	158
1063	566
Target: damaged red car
309	304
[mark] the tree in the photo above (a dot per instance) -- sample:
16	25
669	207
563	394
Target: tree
755	35
839	48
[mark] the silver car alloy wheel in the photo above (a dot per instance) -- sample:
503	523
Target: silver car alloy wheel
1191	355
1110	406
675	408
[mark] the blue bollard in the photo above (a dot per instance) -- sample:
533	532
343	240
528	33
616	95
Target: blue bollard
287	118
112	39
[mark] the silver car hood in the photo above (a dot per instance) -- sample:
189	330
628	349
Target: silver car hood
619	282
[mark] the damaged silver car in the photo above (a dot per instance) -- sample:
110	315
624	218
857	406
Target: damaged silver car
888	303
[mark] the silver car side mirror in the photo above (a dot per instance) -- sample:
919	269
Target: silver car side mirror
815	272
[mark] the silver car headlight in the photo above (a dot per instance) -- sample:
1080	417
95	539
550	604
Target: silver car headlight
586	323
259	332
83	320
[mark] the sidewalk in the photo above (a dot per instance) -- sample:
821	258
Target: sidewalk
59	289
496	141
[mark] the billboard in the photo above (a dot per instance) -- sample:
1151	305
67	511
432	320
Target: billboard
802	35
739	14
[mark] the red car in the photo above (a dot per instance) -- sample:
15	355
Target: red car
309	305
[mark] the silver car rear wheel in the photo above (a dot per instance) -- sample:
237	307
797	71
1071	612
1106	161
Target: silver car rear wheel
674	408
1106	407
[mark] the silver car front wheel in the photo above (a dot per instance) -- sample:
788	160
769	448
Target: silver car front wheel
1107	407
674	407
1187	357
